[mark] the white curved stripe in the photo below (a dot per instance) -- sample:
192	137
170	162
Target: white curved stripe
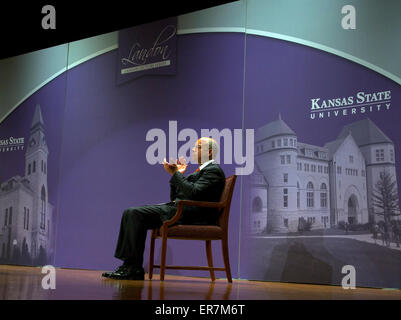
32	92
208	30
70	66
327	49
218	30
295	40
93	55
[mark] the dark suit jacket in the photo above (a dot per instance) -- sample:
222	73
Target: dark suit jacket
204	185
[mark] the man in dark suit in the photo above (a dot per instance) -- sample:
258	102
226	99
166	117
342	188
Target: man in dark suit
205	184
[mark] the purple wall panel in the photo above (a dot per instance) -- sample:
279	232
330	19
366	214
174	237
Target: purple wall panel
104	168
283	77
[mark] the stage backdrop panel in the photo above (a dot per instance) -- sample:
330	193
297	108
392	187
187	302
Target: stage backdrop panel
30	145
104	168
308	208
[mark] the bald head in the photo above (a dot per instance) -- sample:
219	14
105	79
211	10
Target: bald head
205	149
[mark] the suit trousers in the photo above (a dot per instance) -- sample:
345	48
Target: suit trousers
135	223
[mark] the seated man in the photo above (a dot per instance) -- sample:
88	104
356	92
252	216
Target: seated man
205	184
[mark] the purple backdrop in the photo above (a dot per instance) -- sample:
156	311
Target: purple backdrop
51	99
283	77
103	166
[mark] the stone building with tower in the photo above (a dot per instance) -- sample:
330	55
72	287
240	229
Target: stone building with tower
26	216
323	185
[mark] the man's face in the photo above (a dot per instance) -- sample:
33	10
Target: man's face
200	151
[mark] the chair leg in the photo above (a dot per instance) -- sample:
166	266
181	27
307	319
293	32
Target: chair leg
163	258
224	245
210	258
152	255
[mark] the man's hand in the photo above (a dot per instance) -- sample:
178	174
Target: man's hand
181	164
171	168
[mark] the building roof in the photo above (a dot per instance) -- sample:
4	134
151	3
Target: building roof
274	128
302	145
364	132
333	146
37	118
13	183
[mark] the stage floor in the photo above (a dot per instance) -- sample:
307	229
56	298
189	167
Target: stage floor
17	282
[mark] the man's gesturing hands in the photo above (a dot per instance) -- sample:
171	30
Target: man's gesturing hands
172	167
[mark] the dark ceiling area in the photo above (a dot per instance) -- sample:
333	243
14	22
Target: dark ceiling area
21	23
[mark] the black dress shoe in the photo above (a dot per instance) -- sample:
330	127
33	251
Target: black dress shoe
119	269
130	273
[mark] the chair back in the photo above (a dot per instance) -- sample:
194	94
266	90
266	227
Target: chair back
226	197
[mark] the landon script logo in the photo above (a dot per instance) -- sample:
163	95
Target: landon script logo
148	49
139	56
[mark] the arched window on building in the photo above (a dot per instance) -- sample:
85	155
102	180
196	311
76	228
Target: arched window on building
298	196
257	204
309	195
323	195
43	208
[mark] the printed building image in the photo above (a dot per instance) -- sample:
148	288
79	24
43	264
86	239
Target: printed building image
25	212
295	181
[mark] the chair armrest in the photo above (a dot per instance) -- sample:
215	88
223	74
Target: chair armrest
207	204
182	203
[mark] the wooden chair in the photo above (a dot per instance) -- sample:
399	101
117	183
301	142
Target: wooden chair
197	232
